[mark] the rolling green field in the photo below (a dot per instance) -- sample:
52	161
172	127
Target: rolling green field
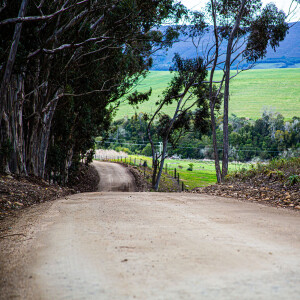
250	93
203	173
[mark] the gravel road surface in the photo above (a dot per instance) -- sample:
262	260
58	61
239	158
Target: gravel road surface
113	245
114	177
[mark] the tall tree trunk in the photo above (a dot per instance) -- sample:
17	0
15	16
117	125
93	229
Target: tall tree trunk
12	127
226	89
212	97
17	163
45	136
9	102
11	57
38	136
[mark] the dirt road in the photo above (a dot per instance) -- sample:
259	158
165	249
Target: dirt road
114	177
112	245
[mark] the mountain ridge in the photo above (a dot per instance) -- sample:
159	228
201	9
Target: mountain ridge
287	55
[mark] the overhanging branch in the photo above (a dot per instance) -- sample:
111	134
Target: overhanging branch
40	18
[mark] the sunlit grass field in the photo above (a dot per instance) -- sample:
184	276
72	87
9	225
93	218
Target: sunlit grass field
250	92
203	173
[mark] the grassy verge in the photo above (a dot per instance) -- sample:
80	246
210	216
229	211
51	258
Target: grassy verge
202	174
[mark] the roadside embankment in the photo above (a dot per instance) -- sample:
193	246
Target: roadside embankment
276	183
17	192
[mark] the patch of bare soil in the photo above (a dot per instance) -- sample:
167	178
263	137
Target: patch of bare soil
86	179
19	192
261	189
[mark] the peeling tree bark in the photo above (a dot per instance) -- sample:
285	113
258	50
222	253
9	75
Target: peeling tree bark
18	164
10	106
9	65
12	55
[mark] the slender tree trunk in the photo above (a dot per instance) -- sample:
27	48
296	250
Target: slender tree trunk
154	155
67	165
215	145
212	97
161	167
38	138
45	137
165	143
226	89
154	171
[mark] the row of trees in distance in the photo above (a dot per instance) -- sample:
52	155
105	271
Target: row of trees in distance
265	138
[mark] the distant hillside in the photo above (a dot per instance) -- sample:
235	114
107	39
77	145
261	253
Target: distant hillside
287	55
250	93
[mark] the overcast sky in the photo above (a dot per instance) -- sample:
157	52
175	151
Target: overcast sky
281	4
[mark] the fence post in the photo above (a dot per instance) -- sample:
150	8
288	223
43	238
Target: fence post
182	186
178	179
166	169
175	173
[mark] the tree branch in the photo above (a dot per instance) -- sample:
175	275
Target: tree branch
67	46
40	18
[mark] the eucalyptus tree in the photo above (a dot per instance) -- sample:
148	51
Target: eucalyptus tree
242	31
74	56
184	94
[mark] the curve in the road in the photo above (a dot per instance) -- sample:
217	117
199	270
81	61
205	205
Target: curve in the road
114	178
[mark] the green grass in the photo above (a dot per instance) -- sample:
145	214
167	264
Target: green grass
250	92
203	173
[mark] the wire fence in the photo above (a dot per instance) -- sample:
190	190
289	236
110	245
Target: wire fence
177	168
143	164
